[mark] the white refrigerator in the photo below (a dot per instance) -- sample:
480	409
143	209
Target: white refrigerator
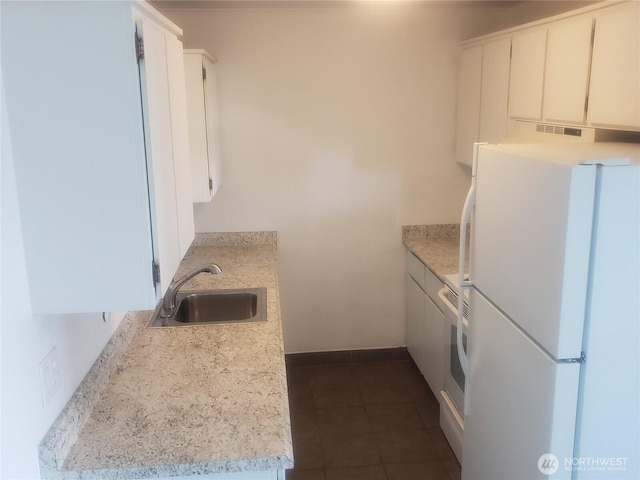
553	363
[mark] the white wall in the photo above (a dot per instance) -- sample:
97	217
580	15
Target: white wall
337	129
27	339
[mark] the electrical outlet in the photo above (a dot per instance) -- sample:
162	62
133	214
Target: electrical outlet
49	376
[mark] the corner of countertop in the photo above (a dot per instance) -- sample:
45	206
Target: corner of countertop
57	442
430	231
208	239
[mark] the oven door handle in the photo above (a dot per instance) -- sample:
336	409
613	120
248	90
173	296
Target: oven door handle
443	296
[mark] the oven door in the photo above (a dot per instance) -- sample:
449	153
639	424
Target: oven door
452	404
453	374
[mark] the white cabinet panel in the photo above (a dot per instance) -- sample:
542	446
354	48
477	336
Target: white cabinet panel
92	143
433	346
614	93
416	270
424	322
483	94
180	134
567	70
494	95
527	74
415	322
158	139
468	108
202	103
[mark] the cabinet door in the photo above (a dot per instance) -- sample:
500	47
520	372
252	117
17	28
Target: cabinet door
76	131
614	93
567	71
415	304
213	132
494	94
527	74
159	146
180	134
202	102
433	346
468	108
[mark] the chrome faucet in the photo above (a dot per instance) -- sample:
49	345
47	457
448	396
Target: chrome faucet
169	301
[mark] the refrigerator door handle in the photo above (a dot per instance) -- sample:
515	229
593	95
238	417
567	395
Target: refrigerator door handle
469	204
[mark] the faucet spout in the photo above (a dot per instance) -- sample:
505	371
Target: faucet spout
169	301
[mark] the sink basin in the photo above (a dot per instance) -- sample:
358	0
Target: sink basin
215	306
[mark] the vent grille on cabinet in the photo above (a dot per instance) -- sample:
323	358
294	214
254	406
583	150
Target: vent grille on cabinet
558	130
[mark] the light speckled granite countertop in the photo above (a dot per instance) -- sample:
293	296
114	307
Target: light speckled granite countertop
436	246
190	400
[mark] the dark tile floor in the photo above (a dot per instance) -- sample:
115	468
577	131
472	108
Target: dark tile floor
365	416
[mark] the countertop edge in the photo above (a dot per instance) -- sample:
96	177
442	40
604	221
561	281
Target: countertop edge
175	470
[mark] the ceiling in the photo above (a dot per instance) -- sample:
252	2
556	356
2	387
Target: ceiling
324	3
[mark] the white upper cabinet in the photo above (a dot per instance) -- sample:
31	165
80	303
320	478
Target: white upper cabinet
94	138
527	74
483	94
159	145
468	108
567	70
202	102
494	97
579	68
614	94
180	134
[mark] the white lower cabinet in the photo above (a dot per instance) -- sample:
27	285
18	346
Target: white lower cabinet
433	348
94	114
415	322
424	322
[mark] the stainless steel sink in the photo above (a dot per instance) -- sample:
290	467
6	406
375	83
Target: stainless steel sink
215	306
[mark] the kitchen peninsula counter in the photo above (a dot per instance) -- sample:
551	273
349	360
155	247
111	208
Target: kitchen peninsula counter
200	399
437	246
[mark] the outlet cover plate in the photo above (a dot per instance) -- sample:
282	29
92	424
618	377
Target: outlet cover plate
49	376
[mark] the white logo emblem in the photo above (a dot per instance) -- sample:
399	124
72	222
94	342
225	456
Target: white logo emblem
548	464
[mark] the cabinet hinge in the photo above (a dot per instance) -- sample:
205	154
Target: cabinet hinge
156	272
204	73
210	184
139	48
